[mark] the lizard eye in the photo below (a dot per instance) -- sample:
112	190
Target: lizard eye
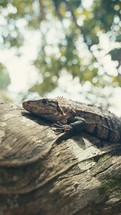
44	101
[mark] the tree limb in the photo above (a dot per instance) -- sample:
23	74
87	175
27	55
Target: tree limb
82	175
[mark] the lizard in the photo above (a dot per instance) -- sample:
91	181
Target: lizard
73	117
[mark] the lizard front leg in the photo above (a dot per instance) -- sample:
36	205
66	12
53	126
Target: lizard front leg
74	126
77	124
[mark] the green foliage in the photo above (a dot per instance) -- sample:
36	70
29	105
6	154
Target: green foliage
13	13
76	45
116	54
104	13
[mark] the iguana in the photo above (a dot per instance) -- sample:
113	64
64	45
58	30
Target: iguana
73	117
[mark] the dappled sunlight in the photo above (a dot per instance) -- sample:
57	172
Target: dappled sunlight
62	48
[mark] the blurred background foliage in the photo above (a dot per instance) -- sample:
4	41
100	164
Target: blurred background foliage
4	82
77	38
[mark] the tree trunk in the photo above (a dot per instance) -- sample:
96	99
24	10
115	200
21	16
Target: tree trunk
79	176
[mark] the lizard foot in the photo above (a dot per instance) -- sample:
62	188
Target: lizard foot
60	128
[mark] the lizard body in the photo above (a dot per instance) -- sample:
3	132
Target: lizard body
76	117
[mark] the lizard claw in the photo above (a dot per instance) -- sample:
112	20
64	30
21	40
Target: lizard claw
60	128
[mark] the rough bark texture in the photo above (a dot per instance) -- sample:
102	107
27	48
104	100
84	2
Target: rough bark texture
80	176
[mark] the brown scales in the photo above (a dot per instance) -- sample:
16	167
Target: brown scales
74	117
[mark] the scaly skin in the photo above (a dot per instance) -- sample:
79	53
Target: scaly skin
71	116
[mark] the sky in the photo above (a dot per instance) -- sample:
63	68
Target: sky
22	72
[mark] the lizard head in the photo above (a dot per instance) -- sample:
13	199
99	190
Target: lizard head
51	109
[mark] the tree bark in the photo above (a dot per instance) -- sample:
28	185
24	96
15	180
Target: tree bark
80	176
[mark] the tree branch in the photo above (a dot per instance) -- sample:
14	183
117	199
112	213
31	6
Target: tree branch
82	175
